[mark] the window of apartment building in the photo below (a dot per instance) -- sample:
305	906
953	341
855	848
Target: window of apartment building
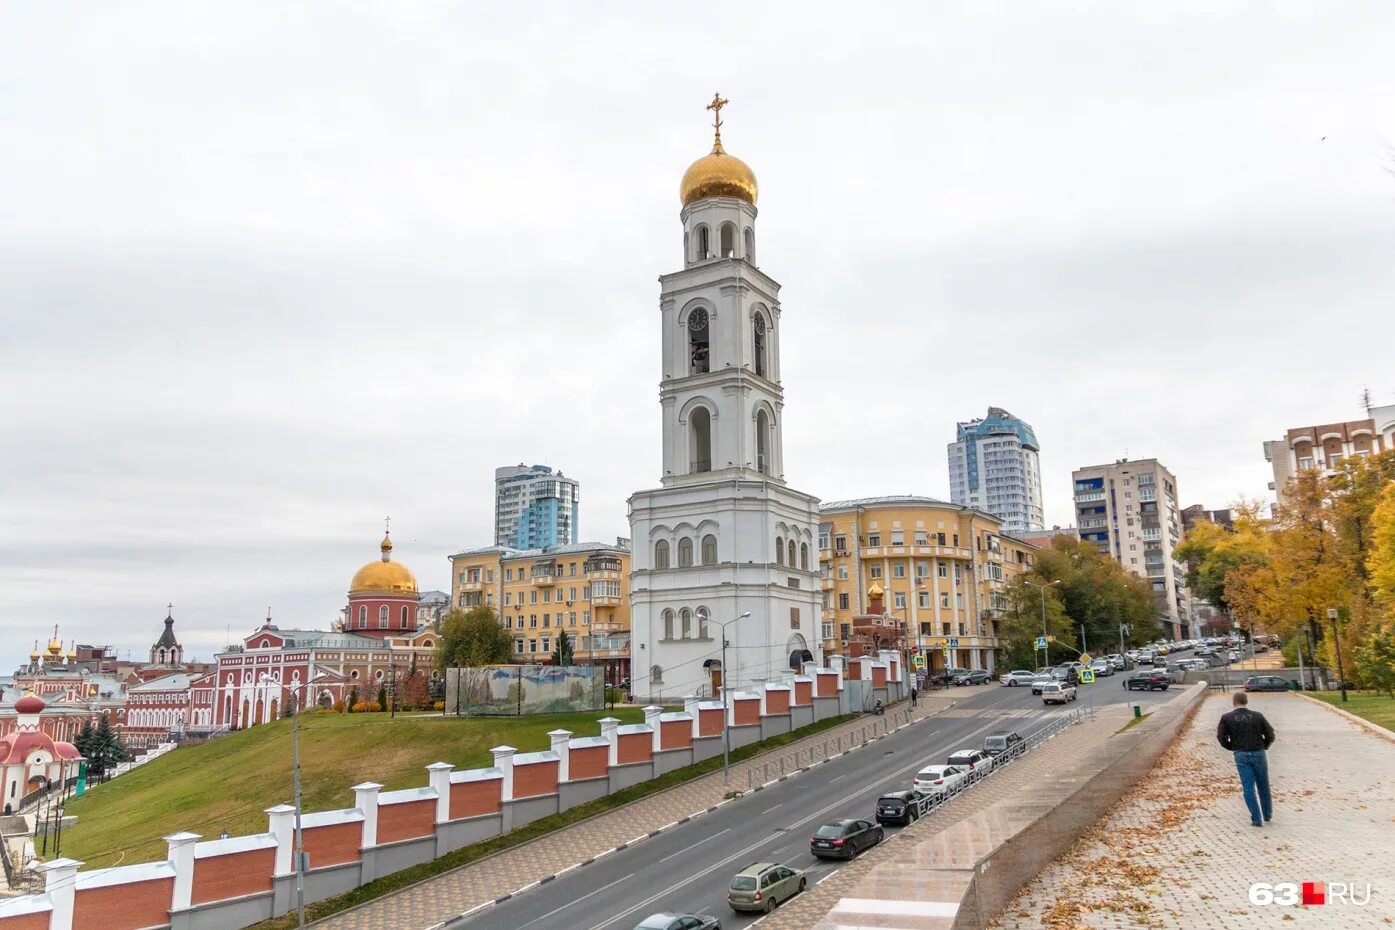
944	601
898	538
922	569
508	575
533	621
533	596
461	578
532	645
898	570
843	630
791	582
944	570
899	599
489	576
874	539
571	618
921	538
1128	494
571	568
518	646
508	623
823	544
508	598
1305	463
842	573
547	595
956	539
586	592
840	543
586	617
826	631
1133	561
547	621
827	599
842	602
546	644
876	571
571	594
959	601
924	600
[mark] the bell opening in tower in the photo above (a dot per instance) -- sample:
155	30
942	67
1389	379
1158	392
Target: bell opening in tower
698	352
701	459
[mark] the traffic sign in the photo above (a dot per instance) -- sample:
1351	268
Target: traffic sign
1050	638
952	643
1085	658
1087	676
1041	642
918	661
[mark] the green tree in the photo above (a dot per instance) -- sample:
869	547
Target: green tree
1020	624
382	697
1375	661
562	651
83	741
1213	552
105	749
472	638
1097	594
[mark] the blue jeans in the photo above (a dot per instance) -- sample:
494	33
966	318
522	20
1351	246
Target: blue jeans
1254	783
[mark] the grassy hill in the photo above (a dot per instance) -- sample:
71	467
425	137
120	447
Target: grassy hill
229	782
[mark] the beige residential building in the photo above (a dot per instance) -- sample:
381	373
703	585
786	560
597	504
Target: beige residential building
583	588
1323	447
1129	510
942	568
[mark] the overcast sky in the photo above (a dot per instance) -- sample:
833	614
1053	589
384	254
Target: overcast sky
270	272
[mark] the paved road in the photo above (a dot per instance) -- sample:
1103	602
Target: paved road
688	868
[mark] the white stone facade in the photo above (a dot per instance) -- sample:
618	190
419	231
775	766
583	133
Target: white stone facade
704	542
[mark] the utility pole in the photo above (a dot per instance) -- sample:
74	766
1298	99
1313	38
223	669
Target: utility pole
1083	646
726	703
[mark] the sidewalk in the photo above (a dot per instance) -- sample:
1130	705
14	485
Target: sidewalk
437	899
1178	852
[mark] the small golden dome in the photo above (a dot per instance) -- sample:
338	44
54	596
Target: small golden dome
34	654
384	576
875	590
718	175
55	647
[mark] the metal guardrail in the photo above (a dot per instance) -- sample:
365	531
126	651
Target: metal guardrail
834	745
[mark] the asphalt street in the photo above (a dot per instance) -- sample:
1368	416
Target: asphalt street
687	869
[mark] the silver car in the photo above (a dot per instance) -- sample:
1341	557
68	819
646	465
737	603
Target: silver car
671	921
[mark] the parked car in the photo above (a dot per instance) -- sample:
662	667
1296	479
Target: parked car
1019	677
939	779
1266	683
761	886
1233	656
670	921
903	807
1067	674
1146	657
1102	668
1117	662
948	675
1058	694
843	839
1150	680
976	761
999	742
1041	681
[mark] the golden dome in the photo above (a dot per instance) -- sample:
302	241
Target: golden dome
55	647
875	590
384	576
718	175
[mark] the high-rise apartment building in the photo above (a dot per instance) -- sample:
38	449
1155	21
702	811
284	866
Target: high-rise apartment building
534	507
994	466
1129	511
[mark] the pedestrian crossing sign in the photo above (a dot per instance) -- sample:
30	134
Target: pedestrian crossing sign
1087	676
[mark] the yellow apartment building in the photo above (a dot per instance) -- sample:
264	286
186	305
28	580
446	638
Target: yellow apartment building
583	588
942	566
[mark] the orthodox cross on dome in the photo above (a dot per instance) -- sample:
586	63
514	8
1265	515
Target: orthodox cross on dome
387	524
169	609
718	101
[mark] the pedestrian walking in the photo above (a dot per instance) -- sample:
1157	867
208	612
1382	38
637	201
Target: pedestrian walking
914	692
1246	733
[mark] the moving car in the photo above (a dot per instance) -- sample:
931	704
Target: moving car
1041	681
975	677
1058	694
1020	677
1067	674
762	886
976	761
1266	683
903	807
939	779
843	839
1102	668
1153	680
999	742
670	921
1117	662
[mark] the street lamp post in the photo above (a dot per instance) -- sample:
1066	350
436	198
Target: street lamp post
1332	614
726	704
1046	644
295	768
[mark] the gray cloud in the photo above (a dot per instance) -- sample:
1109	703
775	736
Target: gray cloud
267	274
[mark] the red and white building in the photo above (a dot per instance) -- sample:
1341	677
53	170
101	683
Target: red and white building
30	758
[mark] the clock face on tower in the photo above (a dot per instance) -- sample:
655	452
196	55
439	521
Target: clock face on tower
697	320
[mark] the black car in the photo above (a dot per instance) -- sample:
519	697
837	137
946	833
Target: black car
1000	741
902	807
1067	674
1155	680
843	839
1266	683
975	677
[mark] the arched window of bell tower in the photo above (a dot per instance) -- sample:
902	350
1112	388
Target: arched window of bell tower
699	350
762	443
704	244
728	240
750	255
700	440
758	342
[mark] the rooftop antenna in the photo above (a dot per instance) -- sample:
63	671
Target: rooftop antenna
1366	399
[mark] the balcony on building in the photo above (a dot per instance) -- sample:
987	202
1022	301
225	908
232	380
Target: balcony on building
603	566
544	573
605	600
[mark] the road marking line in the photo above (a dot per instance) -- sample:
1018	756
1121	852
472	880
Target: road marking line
692	846
571	902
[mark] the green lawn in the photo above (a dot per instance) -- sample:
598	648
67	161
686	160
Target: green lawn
1376	708
228	783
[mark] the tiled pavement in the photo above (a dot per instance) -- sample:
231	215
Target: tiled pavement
436	899
1178	851
809	908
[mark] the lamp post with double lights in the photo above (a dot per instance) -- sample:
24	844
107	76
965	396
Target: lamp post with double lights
726	690
295	769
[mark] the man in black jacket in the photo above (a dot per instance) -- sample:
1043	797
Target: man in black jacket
1246	733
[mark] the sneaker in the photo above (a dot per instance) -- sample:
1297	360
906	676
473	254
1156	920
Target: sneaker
1256	823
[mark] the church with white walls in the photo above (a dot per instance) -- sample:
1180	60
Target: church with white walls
723	539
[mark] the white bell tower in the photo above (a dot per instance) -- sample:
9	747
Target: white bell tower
723	535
